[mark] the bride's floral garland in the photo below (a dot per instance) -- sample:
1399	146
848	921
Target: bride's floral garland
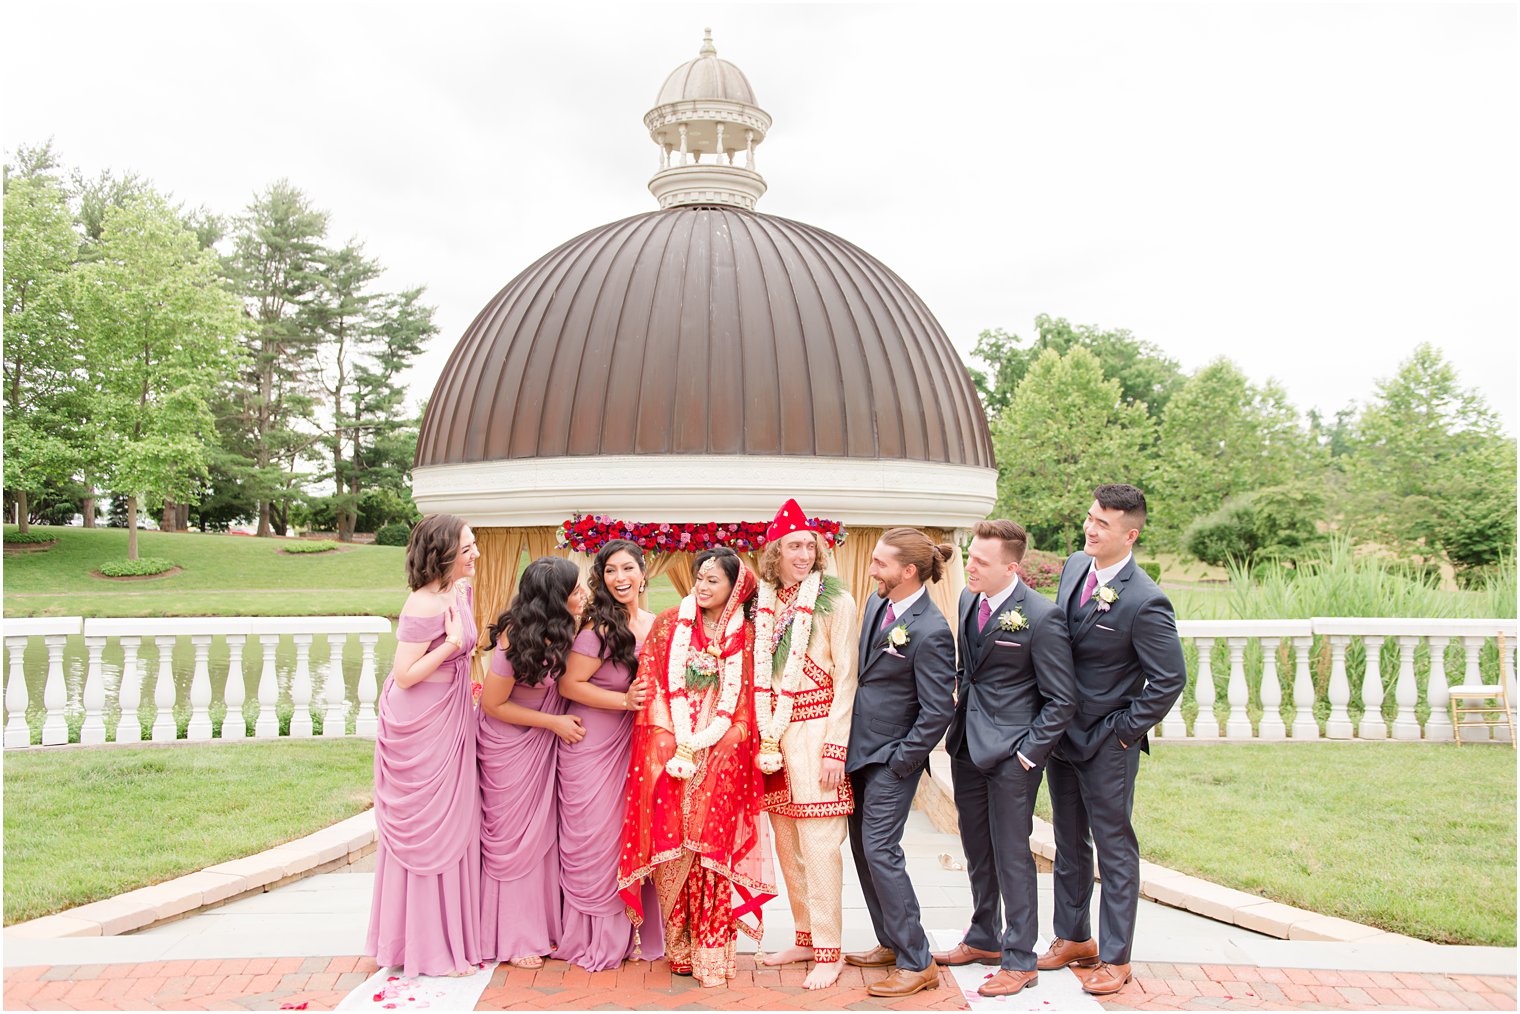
769	635
731	676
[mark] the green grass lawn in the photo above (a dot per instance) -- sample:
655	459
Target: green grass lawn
1414	839
82	825
222	575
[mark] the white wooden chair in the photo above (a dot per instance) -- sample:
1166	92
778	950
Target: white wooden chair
1488	701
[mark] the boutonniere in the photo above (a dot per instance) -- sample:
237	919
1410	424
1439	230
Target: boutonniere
897	637
1013	620
1107	595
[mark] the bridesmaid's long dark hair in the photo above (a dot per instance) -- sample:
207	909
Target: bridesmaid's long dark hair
606	615
537	628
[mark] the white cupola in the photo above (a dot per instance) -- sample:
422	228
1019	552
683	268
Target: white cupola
706	115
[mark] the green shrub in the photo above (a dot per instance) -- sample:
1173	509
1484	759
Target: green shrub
1277	522
310	546
1041	570
1152	569
397	533
28	538
141	567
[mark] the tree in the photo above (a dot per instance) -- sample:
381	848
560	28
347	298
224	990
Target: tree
276	264
1221	436
40	358
1145	375
1279	522
159	333
1413	443
1473	515
1066	429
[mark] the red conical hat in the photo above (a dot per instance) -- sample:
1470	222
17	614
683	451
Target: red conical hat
788	519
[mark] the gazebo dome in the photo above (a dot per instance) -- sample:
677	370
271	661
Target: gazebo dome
703	361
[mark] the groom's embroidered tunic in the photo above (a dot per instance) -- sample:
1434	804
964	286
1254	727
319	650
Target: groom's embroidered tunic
808	821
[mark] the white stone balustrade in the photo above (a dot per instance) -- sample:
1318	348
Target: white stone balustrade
1286	647
89	697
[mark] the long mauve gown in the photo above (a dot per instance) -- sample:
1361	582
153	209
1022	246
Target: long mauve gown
519	898
425	913
597	933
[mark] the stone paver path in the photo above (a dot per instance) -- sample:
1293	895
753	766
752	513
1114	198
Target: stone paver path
321	983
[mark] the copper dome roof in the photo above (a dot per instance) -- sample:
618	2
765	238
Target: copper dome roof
705	330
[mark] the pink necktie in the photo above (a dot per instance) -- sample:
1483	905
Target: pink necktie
887	617
1088	588
983	614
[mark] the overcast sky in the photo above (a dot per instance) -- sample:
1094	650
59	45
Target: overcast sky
1310	189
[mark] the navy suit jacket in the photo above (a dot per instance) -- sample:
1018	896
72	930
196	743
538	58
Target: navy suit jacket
903	702
1128	659
1016	690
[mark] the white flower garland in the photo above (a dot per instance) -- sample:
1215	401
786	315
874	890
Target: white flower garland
688	740
773	723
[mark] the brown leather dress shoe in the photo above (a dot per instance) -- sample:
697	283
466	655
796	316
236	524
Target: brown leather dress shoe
905	982
1083	954
1007	982
964	954
1106	979
876	957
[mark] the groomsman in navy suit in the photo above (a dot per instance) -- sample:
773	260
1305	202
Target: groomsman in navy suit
1015	695
904	698
1130	672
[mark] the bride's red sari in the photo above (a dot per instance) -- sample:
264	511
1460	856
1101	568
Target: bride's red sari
700	839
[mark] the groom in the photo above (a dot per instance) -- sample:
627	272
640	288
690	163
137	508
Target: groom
1129	671
903	702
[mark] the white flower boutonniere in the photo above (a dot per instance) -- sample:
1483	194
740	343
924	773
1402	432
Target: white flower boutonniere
1107	595
1013	620
897	637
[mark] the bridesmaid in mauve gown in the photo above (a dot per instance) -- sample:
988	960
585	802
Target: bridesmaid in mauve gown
424	915
603	694
522	723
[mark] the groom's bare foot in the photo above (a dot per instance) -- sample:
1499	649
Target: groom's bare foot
789	955
823	976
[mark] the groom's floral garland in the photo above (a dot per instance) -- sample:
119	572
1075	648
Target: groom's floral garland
684	657
799	627
587	533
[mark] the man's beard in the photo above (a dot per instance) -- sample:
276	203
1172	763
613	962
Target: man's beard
885	590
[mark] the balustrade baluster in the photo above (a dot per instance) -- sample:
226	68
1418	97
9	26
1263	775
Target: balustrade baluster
1372	725
200	690
234	726
300	687
1271	690
1473	676
367	721
129	693
1437	693
335	718
1305	726
1238	724
1338	726
164	727
55	726
93	731
1203	693
17	732
1405	725
267	725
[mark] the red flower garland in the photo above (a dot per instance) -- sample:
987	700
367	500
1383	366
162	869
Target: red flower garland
587	533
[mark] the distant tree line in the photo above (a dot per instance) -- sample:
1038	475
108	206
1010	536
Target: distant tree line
223	370
1231	469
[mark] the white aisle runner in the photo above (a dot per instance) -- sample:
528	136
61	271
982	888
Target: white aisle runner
388	989
1055	991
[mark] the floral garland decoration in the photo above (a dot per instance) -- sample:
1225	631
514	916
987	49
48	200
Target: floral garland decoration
772	723
587	533
688	740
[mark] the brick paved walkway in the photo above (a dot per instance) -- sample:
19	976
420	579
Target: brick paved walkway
320	983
